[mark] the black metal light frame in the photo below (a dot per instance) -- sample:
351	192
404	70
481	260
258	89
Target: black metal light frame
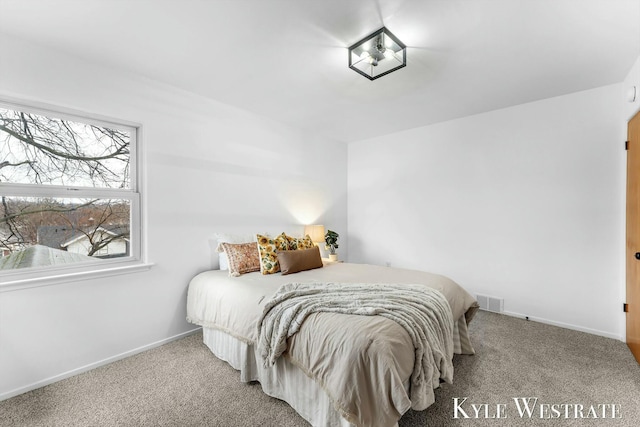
373	36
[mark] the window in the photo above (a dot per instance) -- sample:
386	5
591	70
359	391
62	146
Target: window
69	193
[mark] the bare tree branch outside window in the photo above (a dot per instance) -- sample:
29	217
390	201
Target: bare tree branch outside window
45	151
42	150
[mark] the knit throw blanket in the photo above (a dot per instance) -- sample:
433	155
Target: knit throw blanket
423	312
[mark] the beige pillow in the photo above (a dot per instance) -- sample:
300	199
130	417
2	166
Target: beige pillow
243	257
299	260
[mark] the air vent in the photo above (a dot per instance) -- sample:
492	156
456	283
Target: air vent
490	303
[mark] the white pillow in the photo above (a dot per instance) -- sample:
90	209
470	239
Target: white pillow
219	259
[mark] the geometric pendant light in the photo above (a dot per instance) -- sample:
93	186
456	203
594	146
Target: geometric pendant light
377	55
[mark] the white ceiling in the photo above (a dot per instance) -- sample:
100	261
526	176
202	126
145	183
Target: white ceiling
287	59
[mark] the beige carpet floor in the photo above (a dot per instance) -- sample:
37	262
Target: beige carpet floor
183	384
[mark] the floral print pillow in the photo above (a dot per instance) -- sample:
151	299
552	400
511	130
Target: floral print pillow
243	257
268	248
296	243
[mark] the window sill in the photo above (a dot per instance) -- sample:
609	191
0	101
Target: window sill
53	279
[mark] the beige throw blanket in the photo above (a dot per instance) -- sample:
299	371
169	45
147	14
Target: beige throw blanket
423	312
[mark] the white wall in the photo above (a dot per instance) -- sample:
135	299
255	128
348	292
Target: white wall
524	203
632	79
208	167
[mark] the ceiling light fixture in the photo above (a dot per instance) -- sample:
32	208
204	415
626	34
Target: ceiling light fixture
377	55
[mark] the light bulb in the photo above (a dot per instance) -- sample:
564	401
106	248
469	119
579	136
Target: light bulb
388	42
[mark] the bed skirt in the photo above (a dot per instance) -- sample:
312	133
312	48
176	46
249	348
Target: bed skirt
287	382
283	380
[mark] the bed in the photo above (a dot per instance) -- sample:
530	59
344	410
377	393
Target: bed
339	369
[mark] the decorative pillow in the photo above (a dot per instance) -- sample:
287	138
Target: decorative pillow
296	243
268	248
223	263
243	257
299	260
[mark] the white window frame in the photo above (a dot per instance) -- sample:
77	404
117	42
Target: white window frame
136	261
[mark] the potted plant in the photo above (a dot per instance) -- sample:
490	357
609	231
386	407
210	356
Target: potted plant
331	240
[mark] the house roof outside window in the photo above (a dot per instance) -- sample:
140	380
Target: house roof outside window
41	256
61	236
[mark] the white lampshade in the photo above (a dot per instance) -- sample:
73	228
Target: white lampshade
316	232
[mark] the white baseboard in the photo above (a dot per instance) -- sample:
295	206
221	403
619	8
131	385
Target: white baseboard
73	372
565	325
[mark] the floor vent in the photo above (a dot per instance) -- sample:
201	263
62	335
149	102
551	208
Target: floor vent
490	303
